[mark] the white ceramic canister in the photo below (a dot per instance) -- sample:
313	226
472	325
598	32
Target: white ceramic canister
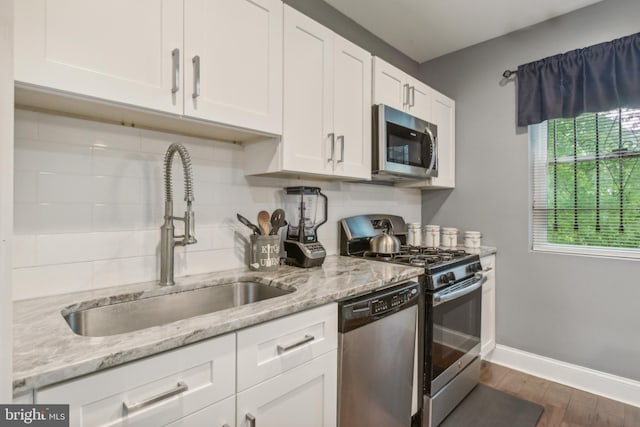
449	237
431	236
472	239
414	234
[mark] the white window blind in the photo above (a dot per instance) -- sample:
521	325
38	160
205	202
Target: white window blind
586	184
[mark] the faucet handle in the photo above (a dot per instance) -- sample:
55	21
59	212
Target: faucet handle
189	227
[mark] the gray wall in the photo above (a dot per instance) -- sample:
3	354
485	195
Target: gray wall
581	310
347	28
6	195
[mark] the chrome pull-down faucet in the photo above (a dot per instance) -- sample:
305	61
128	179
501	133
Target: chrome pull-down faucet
168	239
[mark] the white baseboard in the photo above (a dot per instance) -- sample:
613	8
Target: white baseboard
596	382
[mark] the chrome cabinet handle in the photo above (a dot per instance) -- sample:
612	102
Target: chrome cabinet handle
285	348
225	425
333	146
405	95
128	408
413	96
175	59
251	420
196	76
341	139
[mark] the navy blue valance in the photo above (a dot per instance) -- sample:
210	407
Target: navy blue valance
598	78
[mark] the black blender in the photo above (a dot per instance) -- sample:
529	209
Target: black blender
306	209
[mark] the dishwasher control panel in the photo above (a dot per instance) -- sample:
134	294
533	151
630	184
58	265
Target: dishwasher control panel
361	310
389	302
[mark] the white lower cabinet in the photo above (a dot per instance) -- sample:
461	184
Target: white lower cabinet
488	325
153	391
284	373
303	396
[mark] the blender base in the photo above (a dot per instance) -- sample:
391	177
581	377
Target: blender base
304	255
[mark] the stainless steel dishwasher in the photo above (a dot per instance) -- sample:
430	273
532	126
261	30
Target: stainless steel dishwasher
376	339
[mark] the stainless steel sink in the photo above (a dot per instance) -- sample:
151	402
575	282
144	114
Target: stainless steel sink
131	316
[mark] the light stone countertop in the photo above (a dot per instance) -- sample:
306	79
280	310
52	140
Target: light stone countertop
46	351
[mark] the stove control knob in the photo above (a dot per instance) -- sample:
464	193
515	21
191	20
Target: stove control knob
474	268
444	279
451	276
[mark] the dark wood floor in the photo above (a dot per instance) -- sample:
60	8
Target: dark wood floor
563	406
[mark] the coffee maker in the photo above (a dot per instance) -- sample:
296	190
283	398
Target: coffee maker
306	210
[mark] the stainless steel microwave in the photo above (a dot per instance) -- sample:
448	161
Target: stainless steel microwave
404	147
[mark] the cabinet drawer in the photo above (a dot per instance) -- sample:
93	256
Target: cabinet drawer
156	390
221	414
274	347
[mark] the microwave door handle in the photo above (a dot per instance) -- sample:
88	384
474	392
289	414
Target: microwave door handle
434	151
479	279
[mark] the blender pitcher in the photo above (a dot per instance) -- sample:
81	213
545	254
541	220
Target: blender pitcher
306	210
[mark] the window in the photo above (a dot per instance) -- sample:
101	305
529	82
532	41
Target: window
586	184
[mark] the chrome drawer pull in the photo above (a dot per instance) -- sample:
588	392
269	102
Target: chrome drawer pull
285	348
251	420
128	408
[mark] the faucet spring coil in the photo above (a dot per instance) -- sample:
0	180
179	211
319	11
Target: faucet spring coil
188	172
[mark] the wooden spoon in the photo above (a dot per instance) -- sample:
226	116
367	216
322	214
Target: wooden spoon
264	221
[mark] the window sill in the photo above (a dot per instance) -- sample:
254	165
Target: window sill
593	251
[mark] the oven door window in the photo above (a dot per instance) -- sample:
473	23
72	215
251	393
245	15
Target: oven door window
407	147
456	330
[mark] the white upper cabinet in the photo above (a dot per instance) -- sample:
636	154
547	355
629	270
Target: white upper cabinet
397	89
327	106
308	95
443	115
117	50
352	109
233	62
141	54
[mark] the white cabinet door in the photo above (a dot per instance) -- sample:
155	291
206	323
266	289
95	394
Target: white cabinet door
419	104
308	141
389	85
304	396
116	50
488	326
238	80
352	109
443	114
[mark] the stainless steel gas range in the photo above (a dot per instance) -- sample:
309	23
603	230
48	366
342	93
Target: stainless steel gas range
449	315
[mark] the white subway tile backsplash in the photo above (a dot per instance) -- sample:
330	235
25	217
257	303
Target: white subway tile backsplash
39	156
126	164
26	217
84	132
65	248
32	282
89	203
64	217
63	188
25	187
112	189
120	271
117	217
24	250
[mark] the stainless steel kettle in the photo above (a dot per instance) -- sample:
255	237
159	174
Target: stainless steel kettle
384	243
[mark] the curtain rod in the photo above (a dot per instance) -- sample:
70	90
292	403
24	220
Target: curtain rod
508	73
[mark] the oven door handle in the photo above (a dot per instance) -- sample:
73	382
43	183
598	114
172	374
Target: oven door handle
477	281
